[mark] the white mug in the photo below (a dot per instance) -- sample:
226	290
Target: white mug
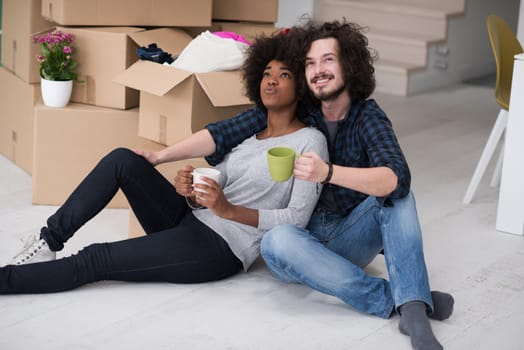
207	172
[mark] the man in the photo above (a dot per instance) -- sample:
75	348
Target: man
366	205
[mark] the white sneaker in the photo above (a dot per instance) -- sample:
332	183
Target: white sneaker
35	250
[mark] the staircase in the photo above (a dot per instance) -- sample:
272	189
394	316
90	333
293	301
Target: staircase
422	44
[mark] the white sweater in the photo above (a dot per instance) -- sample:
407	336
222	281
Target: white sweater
246	182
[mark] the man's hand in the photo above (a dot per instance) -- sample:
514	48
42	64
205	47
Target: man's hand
184	181
151	157
310	167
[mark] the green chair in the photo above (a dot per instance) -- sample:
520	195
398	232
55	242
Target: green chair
505	46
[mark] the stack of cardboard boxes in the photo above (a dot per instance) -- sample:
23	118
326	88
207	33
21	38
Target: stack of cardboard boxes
119	101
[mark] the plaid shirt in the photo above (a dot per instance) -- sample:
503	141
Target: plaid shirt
365	139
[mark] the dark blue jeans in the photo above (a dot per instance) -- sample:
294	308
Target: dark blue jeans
177	248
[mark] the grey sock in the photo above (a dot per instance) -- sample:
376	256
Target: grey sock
415	324
442	305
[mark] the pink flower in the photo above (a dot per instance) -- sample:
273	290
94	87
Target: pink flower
69	38
55	58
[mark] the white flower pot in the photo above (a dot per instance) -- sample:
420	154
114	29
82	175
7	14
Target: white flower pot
56	93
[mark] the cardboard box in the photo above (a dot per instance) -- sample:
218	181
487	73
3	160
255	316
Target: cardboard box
246	10
102	53
174	103
70	141
21	19
168	13
248	30
17	101
193	32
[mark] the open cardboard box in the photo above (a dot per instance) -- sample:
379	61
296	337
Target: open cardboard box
174	103
169	13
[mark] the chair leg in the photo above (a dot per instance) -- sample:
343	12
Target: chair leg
497	172
487	153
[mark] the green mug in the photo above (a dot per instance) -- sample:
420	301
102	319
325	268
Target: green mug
281	161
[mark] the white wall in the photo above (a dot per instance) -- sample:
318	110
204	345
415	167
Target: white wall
290	11
469	52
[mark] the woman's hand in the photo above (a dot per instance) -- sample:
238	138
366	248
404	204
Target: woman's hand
151	157
213	198
310	167
184	181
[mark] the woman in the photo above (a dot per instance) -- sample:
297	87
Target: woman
184	245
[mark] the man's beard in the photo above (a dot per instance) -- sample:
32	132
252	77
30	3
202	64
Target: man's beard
328	95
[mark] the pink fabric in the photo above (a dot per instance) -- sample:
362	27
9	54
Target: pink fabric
232	35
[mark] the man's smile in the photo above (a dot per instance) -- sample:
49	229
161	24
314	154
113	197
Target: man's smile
322	79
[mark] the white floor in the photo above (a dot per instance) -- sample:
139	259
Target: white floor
442	134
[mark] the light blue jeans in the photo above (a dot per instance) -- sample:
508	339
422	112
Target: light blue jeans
330	255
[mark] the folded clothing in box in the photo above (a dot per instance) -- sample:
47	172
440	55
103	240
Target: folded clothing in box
155	54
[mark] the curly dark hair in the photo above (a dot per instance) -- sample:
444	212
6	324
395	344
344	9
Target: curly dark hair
356	59
282	46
